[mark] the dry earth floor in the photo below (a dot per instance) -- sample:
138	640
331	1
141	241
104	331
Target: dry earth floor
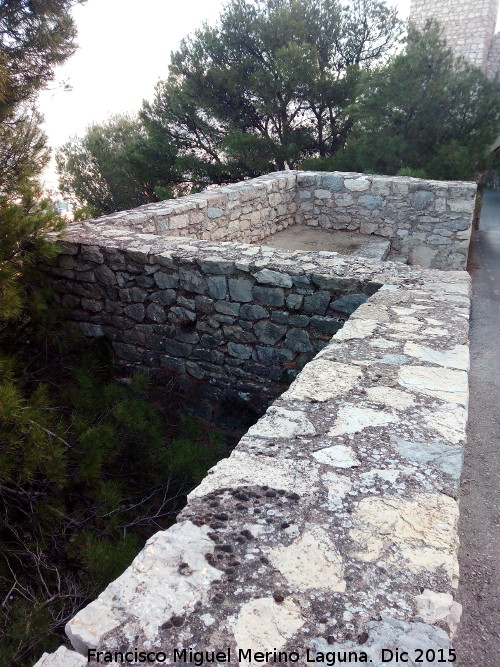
478	640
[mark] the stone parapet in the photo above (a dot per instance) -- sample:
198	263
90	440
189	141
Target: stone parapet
247	211
333	524
427	222
247	318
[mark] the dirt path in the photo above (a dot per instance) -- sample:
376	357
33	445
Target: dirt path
478	639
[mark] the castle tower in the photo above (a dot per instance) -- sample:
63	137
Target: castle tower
468	25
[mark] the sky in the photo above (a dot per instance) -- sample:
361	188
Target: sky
124	49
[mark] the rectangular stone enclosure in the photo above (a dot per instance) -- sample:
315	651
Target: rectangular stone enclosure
333	524
427	222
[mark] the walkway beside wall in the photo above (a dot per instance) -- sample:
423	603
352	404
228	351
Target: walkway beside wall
478	636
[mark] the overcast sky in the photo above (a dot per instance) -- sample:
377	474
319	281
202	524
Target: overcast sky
124	48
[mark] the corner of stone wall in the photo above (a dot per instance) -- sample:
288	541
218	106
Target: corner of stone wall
333	524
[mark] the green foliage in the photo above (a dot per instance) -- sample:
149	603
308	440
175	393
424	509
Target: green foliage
194	453
23	152
426	111
117	165
21	246
103	559
414	173
89	469
269	85
35	37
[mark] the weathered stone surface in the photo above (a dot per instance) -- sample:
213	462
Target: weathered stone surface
312	561
227	308
269	333
336	509
253	312
271	355
434	607
62	658
191	280
269	277
457	357
446	384
166	280
337	456
105	275
294	301
353	419
133	295
92	254
181	315
348	303
298	340
322	380
240	289
204	304
135	311
242	469
263	623
326	324
448	458
217	287
151	586
239	351
427	542
269	296
317	303
372	201
177	349
357	184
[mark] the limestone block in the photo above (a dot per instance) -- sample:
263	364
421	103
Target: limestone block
151	589
269	296
62	658
240	289
262	623
357	184
298	340
268	277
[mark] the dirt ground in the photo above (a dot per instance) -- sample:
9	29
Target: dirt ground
478	640
300	237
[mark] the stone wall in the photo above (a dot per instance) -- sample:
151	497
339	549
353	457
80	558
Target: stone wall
333	524
427	222
246	211
203	312
468	25
493	64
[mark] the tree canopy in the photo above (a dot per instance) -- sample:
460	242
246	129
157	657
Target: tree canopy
35	36
426	110
270	84
279	84
117	165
